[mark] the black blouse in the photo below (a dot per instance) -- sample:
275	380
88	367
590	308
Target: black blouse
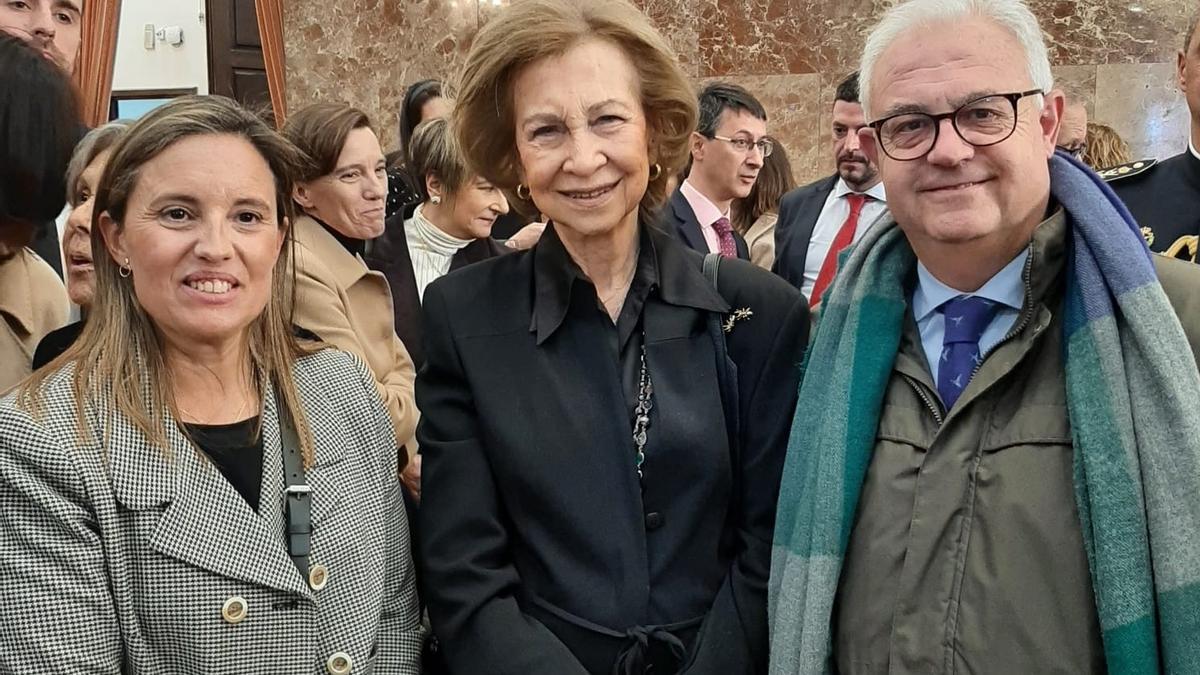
564	291
237	450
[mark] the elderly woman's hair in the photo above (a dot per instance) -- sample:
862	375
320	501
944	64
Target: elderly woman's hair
415	97
320	131
435	152
118	359
1011	15
39	126
773	181
1105	147
95	143
532	30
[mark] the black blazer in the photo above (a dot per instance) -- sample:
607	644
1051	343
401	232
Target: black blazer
679	218
389	254
533	519
799	210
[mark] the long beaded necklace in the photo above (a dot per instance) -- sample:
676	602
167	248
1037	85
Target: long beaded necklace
645	403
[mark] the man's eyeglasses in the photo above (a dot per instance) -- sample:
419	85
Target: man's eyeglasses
1077	151
982	122
764	145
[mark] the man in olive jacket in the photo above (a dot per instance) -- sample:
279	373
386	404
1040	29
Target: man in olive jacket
1004	476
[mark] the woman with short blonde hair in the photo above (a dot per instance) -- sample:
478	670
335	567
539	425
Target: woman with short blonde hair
606	422
189	488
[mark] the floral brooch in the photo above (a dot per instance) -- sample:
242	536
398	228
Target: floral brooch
741	314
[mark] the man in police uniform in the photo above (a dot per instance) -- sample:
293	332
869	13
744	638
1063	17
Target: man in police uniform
1164	196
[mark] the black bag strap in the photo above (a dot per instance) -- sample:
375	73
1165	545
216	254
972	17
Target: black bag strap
298	494
727	377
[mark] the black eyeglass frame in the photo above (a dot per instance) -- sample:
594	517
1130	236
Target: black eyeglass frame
1012	98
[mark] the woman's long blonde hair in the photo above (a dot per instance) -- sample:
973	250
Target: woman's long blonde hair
118	358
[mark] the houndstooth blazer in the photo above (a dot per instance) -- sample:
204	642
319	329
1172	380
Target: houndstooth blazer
117	558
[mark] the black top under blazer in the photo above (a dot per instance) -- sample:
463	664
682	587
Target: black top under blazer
679	218
389	254
799	210
544	552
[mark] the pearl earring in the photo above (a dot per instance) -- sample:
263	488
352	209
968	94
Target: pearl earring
435	199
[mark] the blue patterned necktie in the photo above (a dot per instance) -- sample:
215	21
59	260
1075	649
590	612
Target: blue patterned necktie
966	319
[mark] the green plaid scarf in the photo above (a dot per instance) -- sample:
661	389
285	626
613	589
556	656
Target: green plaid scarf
1135	421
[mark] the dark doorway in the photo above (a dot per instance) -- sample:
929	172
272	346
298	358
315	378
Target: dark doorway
235	58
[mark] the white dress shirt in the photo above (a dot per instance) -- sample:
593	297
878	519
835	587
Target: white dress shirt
430	250
706	212
833	215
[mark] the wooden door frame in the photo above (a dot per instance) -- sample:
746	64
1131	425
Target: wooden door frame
225	22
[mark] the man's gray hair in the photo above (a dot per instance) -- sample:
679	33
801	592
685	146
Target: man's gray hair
1012	15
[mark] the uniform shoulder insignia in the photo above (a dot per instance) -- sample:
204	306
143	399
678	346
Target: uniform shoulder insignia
1127	170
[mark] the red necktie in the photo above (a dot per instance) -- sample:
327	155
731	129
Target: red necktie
725	236
844	238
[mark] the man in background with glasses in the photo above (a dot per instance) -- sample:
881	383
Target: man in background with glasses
728	148
817	221
1005	476
1072	130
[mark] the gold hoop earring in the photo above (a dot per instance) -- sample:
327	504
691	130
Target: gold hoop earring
523	197
126	271
655	172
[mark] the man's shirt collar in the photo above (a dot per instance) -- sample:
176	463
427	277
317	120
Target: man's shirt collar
706	212
877	192
1007	287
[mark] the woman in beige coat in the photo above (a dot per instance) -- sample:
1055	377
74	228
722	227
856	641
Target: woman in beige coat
342	194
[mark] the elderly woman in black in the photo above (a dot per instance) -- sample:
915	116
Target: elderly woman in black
603	429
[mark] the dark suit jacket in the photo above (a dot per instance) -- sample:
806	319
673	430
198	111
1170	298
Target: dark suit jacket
533	515
389	254
798	213
679	218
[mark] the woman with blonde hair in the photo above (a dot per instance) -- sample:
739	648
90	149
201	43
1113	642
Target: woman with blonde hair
189	488
603	416
1104	147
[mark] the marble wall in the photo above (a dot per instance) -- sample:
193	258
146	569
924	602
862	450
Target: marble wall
1117	55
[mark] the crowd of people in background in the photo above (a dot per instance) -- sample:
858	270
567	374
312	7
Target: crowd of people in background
578	380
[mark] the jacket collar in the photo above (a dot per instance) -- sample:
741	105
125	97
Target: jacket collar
313	238
686	221
205	522
669	271
1041	278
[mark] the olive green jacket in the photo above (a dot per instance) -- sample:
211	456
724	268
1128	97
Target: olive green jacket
967	554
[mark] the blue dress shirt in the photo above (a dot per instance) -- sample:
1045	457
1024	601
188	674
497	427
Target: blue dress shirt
1007	288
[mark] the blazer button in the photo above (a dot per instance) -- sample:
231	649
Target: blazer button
234	611
318	576
654	520
339	663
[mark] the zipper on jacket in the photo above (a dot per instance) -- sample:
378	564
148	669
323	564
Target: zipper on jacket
933	407
1019	326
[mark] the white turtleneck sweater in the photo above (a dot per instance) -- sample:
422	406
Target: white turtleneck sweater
430	249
